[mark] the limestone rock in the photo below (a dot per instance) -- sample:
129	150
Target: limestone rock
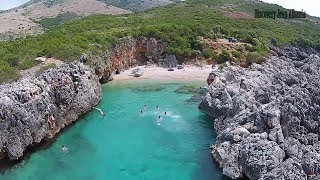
267	116
66	92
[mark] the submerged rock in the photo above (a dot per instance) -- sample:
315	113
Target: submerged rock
267	117
66	93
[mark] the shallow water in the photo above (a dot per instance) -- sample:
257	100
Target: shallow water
128	145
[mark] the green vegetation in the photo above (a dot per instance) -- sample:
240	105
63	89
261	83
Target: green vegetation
132	5
44	68
50	3
60	19
254	57
237	54
224	56
7	73
208	52
179	24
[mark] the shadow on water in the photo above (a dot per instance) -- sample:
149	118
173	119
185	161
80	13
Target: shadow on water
7	164
206	123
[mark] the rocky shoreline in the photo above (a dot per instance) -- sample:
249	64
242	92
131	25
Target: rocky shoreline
267	117
25	106
66	93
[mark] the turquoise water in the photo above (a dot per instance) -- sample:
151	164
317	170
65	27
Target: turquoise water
128	145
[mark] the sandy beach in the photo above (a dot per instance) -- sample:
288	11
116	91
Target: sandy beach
158	73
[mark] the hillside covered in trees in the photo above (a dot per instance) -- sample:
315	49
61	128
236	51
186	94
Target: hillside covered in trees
180	24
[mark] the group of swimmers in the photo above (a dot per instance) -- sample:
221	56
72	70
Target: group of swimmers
159	118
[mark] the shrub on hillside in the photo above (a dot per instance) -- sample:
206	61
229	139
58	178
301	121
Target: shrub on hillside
237	54
8	73
224	56
68	52
254	57
207	52
26	64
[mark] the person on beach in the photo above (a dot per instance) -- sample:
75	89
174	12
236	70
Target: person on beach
145	107
64	149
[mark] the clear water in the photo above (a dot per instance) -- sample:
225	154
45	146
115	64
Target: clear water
128	145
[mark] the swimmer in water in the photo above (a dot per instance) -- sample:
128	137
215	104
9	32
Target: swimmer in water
159	120
64	149
165	113
141	112
101	112
157	107
145	107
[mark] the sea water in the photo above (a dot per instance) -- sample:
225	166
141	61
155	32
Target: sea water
128	144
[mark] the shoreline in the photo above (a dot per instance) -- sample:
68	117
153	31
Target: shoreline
158	73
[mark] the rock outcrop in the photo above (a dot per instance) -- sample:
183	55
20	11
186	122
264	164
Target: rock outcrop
267	117
137	72
129	52
66	93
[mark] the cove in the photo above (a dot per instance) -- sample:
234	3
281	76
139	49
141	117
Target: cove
129	145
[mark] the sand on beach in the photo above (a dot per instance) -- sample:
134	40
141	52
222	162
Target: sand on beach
158	73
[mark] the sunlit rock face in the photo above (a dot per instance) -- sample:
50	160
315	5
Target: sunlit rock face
267	117
65	93
127	53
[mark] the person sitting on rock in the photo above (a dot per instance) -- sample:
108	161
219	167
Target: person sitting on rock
52	121
65	81
54	84
213	78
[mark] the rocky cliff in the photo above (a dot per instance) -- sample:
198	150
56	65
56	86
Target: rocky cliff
65	93
267	117
127	53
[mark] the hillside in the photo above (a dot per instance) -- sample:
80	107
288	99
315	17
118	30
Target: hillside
179	24
35	15
137	5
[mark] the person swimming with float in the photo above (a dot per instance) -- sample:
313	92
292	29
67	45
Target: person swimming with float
100	110
64	149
